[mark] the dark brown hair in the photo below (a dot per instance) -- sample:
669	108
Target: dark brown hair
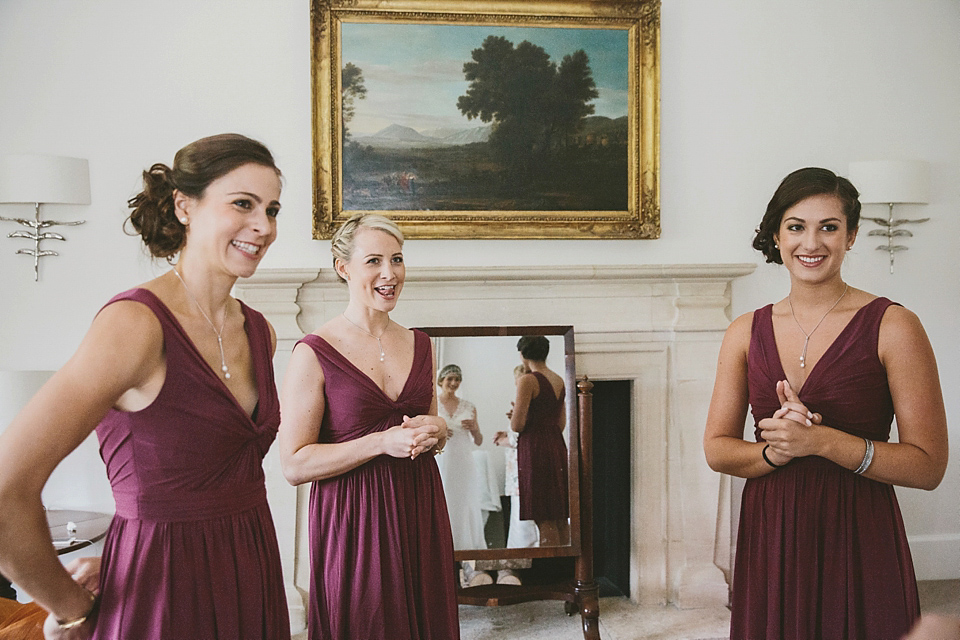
194	168
534	348
800	185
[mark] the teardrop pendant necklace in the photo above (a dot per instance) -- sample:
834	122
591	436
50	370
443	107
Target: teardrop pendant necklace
223	361
383	355
806	342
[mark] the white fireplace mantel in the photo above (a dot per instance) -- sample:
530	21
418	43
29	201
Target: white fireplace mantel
659	326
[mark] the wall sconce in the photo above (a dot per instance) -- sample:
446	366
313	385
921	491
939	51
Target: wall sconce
39	179
891	182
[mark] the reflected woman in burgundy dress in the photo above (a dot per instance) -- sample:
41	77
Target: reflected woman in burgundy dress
538	417
177	378
360	423
821	550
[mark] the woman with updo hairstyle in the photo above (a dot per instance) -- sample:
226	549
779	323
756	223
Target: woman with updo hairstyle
538	416
360	423
822	551
176	377
194	167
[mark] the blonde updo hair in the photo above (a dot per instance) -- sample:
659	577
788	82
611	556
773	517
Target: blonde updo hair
342	243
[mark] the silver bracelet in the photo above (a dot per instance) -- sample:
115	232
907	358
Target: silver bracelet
867	458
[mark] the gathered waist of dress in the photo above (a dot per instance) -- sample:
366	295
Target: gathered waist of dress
191	505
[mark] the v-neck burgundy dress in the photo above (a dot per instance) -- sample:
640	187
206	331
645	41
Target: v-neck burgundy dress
822	552
192	551
381	551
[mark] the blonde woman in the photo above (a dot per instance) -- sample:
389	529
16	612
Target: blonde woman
360	423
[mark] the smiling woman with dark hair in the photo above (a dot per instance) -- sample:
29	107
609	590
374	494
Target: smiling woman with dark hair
822	551
176	376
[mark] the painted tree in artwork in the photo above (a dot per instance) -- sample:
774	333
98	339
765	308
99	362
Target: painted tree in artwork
351	90
534	104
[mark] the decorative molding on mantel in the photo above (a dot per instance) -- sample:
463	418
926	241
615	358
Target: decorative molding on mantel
659	326
599	298
620	273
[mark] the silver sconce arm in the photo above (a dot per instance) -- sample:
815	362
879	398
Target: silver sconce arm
890	232
36	235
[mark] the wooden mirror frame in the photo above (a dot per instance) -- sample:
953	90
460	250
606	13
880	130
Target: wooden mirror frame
581	593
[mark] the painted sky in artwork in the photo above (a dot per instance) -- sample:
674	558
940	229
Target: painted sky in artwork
414	73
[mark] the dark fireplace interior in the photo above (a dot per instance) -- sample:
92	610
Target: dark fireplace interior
611	486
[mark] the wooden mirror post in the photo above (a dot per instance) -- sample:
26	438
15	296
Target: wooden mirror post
586	588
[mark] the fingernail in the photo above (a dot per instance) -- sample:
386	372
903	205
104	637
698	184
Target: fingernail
809	415
809	424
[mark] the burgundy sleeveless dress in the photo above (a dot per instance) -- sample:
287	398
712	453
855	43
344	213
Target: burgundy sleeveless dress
542	457
381	551
192	552
822	552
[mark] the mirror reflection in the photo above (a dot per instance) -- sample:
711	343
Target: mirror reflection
505	465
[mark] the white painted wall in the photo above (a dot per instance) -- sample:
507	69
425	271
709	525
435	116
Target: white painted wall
751	89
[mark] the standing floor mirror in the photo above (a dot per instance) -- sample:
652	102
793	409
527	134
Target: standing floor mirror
479	477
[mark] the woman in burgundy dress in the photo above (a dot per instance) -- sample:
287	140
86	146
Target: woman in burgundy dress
177	378
538	417
360	422
821	550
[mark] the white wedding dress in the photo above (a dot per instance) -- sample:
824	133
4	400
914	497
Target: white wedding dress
460	479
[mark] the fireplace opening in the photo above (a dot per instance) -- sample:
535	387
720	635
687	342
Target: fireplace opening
611	486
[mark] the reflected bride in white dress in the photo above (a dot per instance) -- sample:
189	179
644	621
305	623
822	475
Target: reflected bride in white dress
457	468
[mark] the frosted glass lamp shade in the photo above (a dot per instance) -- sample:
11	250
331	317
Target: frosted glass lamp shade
891	181
38	178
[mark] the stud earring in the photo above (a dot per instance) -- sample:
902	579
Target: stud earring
776	246
183	220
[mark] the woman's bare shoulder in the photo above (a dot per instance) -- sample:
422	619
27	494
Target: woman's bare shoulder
900	325
741	328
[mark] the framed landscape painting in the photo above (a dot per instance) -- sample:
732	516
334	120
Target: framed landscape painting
493	119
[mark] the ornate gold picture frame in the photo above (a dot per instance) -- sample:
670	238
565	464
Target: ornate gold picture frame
488	119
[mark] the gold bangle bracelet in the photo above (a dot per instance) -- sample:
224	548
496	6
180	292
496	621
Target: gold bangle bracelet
76	622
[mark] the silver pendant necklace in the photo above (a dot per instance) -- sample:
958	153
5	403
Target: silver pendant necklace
223	361
803	354
380	344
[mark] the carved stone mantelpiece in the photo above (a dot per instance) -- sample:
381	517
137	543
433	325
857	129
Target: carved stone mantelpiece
659	326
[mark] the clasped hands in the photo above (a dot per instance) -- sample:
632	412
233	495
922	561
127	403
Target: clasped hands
414	436
792	432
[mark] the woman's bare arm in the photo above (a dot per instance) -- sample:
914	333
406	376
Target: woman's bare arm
723	442
527	388
116	362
